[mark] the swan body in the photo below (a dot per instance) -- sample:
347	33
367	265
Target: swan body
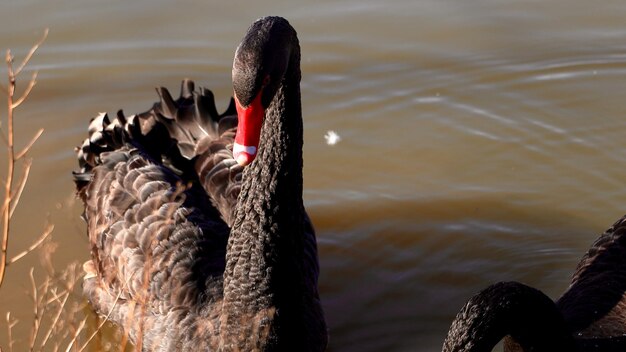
589	316
194	248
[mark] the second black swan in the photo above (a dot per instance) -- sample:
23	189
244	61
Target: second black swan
589	316
194	248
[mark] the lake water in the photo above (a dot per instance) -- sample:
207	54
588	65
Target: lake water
480	140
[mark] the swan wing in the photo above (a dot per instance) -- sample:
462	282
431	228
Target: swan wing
157	243
195	139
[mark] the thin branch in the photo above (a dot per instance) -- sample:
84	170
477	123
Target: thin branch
36	244
128	324
9	60
10	325
24	95
37	320
10	169
31	52
57	296
29	145
119	294
54	321
80	328
16	197
7	209
39	295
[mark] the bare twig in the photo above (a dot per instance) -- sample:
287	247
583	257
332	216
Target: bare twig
127	324
39	295
56	296
119	294
44	235
76	333
16	197
69	280
24	95
10	199
54	304
32	51
55	321
37	319
29	145
10	168
10	324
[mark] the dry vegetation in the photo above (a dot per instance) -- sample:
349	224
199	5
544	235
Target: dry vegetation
59	317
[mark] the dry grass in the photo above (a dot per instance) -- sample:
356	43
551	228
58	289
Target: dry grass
61	318
58	314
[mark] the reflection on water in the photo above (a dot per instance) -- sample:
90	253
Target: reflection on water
481	141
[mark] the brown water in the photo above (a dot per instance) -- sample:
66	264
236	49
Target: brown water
481	140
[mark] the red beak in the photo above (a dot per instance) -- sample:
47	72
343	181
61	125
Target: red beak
250	120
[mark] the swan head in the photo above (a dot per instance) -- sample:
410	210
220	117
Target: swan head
260	63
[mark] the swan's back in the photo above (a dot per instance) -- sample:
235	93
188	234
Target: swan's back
158	240
594	305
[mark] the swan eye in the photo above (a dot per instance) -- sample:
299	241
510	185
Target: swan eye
266	81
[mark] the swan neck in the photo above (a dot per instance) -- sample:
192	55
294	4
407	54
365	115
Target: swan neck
524	313
263	279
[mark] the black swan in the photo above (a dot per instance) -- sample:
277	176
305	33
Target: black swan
589	316
190	250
